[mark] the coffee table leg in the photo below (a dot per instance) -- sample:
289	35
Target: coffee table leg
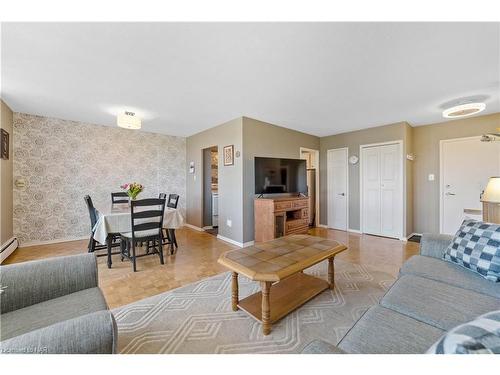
331	271
234	293
266	307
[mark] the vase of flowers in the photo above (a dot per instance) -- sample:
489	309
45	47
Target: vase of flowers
133	189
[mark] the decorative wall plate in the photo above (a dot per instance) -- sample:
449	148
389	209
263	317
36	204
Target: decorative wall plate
353	159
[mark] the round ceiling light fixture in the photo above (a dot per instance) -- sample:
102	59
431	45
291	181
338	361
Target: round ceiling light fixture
128	120
464	110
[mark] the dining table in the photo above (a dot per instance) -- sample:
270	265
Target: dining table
117	218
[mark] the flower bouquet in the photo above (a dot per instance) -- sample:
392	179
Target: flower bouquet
133	189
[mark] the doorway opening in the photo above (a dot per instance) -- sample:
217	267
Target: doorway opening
211	190
311	157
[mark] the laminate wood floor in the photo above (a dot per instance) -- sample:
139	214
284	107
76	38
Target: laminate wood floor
197	257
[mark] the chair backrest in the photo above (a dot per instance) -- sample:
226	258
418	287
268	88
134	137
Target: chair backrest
120	197
92	211
162	196
173	199
147	217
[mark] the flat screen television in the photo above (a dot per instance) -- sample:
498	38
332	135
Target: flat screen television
278	176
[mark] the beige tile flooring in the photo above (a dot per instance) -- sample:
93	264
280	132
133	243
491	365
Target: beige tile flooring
197	257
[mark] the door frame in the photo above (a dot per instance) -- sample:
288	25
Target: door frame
402	183
329	188
441	174
316	156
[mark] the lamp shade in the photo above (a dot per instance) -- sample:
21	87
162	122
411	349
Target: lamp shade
492	192
128	120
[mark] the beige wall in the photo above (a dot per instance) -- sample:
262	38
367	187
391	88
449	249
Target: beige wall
236	183
353	140
6	172
408	176
267	140
230	178
61	161
426	148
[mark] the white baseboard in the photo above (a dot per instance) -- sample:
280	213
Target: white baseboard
233	242
348	229
49	242
208	227
8	248
194	227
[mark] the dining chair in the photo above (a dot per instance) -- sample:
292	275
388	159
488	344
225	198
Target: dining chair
94	216
173	200
119	197
167	240
146	223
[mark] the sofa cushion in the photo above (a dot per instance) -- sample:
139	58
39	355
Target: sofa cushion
46	313
449	273
476	246
94	333
441	305
382	330
480	336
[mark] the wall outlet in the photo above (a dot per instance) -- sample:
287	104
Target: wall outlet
430	177
229	222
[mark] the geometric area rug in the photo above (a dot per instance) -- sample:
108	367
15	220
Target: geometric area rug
197	318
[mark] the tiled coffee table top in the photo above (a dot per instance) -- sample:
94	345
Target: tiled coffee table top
277	259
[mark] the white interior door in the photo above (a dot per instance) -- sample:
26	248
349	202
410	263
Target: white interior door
337	189
382	198
391	197
466	165
371	190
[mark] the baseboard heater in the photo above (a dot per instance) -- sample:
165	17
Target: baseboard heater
8	248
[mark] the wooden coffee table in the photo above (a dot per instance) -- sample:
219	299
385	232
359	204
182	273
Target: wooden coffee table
279	263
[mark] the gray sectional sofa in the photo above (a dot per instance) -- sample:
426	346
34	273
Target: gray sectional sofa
54	306
430	297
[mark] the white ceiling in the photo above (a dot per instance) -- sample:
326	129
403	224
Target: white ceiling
319	78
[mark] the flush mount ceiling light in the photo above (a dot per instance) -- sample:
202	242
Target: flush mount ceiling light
464	110
128	120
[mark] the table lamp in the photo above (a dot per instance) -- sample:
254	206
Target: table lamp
491	201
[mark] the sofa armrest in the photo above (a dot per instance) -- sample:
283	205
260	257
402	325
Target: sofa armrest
28	283
321	347
434	245
94	333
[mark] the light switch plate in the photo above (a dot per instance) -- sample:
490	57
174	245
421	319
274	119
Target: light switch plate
229	222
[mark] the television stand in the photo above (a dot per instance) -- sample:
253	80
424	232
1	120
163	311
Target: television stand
280	216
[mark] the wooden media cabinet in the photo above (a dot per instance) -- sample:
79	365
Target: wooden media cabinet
280	216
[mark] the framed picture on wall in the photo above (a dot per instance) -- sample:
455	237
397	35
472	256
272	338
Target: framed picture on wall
228	153
4	149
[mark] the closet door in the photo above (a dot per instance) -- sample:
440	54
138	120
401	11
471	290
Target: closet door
390	191
381	190
371	190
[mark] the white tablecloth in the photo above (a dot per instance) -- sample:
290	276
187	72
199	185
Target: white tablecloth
116	219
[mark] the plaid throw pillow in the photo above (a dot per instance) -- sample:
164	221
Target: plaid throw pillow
476	246
480	336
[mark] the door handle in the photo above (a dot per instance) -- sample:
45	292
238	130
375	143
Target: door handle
343	194
450	193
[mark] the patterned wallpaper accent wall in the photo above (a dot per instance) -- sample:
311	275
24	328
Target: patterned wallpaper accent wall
62	160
